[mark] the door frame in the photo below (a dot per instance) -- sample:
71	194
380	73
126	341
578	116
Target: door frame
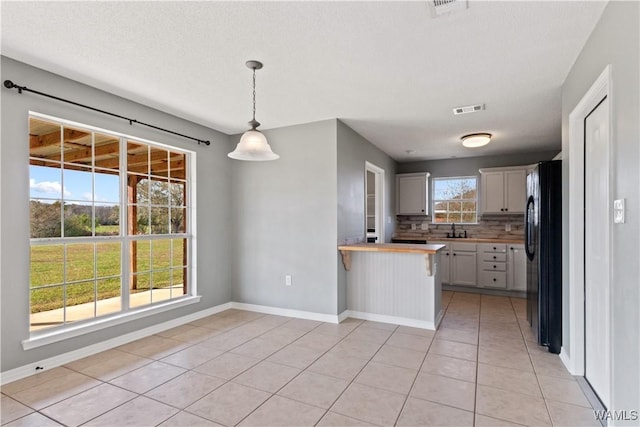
574	359
378	172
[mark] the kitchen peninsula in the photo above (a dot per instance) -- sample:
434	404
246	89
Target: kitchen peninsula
394	283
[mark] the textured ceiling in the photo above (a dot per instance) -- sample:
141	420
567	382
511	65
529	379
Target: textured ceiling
389	70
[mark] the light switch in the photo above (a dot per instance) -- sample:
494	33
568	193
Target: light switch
424	226
618	211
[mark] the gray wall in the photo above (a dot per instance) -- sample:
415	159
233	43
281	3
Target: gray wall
353	151
213	177
615	41
285	221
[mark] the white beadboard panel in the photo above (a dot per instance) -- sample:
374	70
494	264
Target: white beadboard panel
394	284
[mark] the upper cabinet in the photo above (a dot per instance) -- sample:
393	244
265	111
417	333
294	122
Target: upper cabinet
503	190
412	193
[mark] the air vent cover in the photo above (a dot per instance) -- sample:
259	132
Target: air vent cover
468	109
443	7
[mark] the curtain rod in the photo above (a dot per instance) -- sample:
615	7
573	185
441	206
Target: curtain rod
11	85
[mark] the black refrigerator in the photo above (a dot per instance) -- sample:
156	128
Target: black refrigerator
543	246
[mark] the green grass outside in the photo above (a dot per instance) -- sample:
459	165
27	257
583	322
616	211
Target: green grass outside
47	264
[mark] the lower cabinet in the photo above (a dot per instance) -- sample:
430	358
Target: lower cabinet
484	265
492	270
458	264
517	273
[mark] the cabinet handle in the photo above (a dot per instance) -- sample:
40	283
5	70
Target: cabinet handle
494	257
494	266
511	248
502	209
422	210
447	253
494	279
506	209
454	254
494	248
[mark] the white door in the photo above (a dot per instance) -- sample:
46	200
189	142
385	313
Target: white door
374	202
596	256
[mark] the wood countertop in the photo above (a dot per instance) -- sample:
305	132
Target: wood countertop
428	249
461	239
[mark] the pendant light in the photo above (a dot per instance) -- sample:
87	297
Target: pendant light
253	144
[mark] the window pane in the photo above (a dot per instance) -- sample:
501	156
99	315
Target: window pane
142	255
177	165
440	217
159	192
160	254
455	207
469	217
178	224
159	160
137	158
45	218
77	184
81	295
140	290
159	221
107	187
107	151
46	307
80	262
177	282
179	257
448	204
141	215
177	191
468	206
44	139
45	181
108	259
77	146
107	220
47	265
161	280
77	220
109	300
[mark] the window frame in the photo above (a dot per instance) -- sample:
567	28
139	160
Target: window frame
126	313
434	201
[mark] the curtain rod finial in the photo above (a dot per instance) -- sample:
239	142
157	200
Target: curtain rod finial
9	84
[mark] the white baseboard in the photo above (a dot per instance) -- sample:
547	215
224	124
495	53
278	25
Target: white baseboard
566	361
439	319
404	321
62	359
309	315
343	315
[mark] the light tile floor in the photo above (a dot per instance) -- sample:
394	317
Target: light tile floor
482	367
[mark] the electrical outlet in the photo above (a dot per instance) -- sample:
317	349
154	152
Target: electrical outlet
413	226
287	280
507	227
424	226
618	211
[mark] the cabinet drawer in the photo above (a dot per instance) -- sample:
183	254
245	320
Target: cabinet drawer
494	266
464	247
491	257
493	279
493	247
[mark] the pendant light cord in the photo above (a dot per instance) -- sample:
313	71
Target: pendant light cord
254	94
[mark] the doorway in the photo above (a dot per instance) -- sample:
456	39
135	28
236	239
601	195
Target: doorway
589	239
374	203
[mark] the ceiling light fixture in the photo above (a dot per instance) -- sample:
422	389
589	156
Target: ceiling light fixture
253	144
474	140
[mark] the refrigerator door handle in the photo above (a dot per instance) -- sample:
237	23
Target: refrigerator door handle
528	234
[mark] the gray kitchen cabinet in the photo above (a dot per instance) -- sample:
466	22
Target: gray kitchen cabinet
503	190
412	193
516	268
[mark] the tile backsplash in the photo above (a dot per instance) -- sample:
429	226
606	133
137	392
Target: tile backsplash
488	227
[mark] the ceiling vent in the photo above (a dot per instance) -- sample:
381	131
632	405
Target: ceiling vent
444	7
468	109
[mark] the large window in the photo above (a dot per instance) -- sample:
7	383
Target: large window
109	229
455	200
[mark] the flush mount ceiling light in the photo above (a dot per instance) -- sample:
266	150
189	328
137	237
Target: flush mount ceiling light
474	140
253	144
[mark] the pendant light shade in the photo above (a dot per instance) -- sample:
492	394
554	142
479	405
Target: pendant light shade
253	145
